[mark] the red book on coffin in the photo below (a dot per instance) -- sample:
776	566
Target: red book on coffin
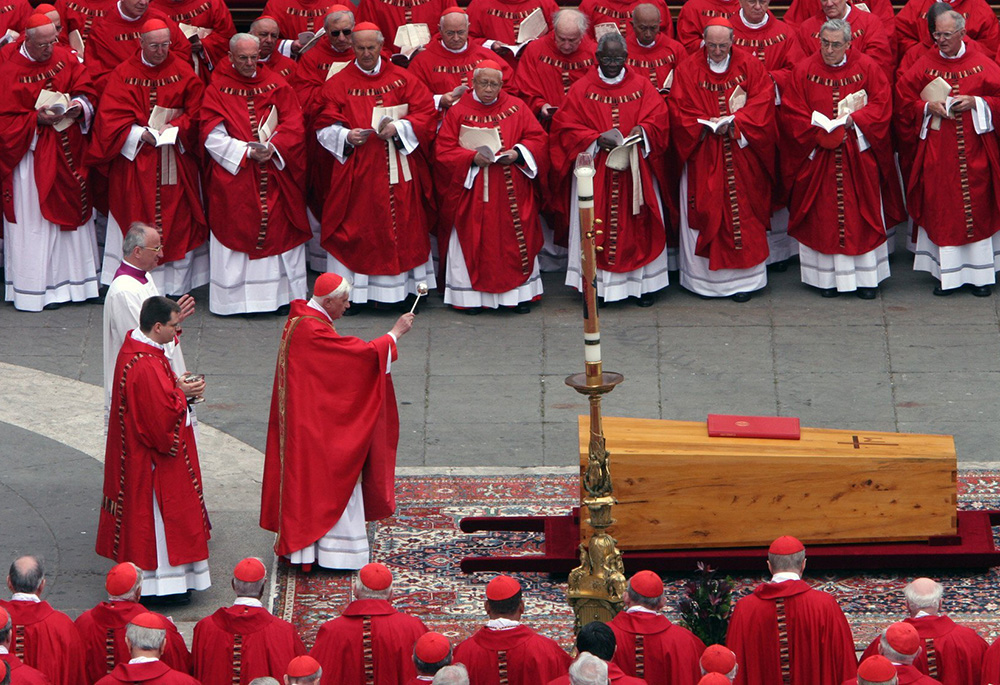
774	427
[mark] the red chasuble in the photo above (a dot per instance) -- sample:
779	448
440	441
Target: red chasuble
303	497
908	675
500	237
149	673
22	674
281	65
544	75
836	191
619	13
371	225
500	19
790	631
656	61
442	70
239	643
953	191
695	14
141	189
389	15
80	15
729	187
867	36
951	653
526	657
296	16
261	210
368	627
211	14
114	40
774	44
13	15
46	639
980	24
669	653
592	107
60	175
150	449
104	652
800	10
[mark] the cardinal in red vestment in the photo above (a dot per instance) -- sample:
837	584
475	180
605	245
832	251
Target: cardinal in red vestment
901	645
377	121
81	15
843	243
620	13
492	202
812	646
265	29
507	646
14	16
146	635
496	22
949	652
953	189
800	10
877	670
598	640
980	24
304	497
252	128
124	586
20	673
152	479
389	15
295	17
724	243
213	15
369	636
669	653
553	63
867	33
37	634
603	108
431	652
239	643
694	17
153	182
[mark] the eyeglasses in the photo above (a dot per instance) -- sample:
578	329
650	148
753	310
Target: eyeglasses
611	60
944	35
341	32
158	248
159	46
836	45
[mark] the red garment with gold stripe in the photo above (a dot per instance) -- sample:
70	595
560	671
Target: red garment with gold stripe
513	656
114	40
442	70
773	44
211	14
619	13
239	643
389	15
695	14
980	24
950	653
670	652
296	16
45	639
867	35
500	19
545	75
80	15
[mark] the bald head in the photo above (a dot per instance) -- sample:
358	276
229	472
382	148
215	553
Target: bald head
454	30
266	31
26	575
923	594
568	29
39	41
646	23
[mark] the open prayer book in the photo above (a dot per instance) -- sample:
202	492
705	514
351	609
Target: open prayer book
159	128
485	141
308	40
189	31
618	157
668	83
533	26
714	126
411	37
938	90
54	102
76	42
847	106
266	130
9	37
382	116
604	29
862	6
335	68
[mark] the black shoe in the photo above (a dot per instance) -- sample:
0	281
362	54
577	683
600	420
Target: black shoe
742	297
52	306
981	290
867	293
469	311
523	308
181	599
645	300
941	292
829	292
355	309
779	267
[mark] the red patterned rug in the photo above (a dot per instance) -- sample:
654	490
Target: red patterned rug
423	546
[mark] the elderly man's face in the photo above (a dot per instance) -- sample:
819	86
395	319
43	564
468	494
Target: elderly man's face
487	84
40	43
755	10
244	58
646	25
367	47
947	36
155	46
338	32
336	306
612	59
568	36
832	46
134	8
834	9
267	33
718	42
454	30
147	256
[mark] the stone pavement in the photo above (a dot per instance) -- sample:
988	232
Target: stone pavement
487	392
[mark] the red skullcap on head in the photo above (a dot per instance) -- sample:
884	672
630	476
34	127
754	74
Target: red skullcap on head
326	284
432	648
120	579
375	577
249	570
454	9
786	544
719	21
877	669
338	8
903	638
488	64
36	20
714	679
366	26
265	16
301	667
647	584
502	587
150	620
44	8
4	617
718	659
153	25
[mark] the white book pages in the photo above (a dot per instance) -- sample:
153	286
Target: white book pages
714	126
533	26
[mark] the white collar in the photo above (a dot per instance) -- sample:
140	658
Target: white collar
3	650
847	12
143	58
456	52
315	305
612	81
502	624
747	23
921	614
720	67
840	63
373	72
476	98
143	338
24	597
639	609
24	52
143	660
961	51
247	602
125	16
785	576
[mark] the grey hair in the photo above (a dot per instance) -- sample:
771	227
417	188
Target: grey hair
266	680
235	40
131	594
30	33
643	601
894	681
136	237
334	16
841	25
456	674
588	670
461	14
729	28
918	601
475	72
786	562
378	36
893	655
314	678
245	589
362	592
146	639
26	574
343	289
958	18
260	19
578	17
6	628
609	38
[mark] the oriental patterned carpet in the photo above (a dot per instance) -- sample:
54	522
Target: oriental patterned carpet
422	545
